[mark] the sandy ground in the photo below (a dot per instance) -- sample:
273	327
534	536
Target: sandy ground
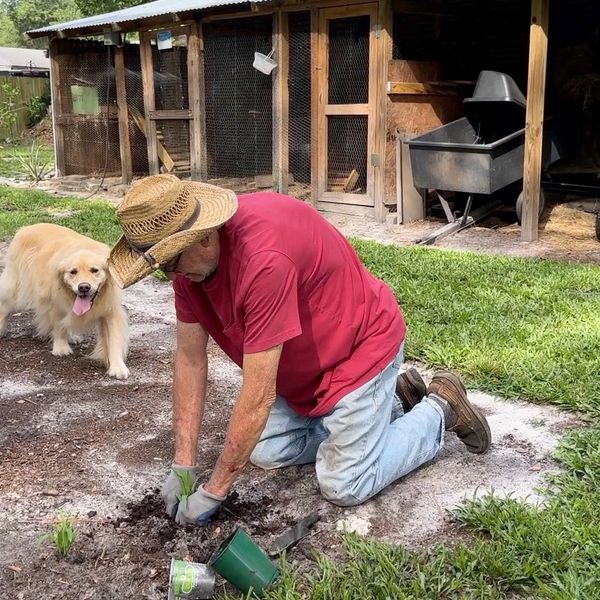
73	439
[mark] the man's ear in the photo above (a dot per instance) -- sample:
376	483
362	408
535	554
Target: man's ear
209	239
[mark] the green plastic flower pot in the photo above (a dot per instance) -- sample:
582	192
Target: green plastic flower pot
244	564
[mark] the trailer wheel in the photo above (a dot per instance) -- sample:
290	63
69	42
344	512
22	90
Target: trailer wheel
519	205
598	226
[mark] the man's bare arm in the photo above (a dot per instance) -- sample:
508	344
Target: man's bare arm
189	389
248	418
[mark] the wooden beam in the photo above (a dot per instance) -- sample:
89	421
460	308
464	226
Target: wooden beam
161	151
428	89
281	102
193	67
55	85
346	109
201	117
382	51
534	119
149	100
170	115
124	141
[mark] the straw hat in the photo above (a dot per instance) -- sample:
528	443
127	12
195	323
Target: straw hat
161	216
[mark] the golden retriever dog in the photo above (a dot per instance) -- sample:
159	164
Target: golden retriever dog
63	277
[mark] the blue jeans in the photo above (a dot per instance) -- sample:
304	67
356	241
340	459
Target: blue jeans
358	448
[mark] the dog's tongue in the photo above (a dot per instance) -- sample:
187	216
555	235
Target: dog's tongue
81	305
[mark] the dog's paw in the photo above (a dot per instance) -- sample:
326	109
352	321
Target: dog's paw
118	371
61	348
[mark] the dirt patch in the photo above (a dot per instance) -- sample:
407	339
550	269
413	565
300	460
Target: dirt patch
73	439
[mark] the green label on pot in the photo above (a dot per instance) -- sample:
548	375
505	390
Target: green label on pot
185	578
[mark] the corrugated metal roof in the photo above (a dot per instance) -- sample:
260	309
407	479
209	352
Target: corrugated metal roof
143	11
24	58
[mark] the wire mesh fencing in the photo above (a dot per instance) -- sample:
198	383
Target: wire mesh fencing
239	102
88	108
347	135
299	87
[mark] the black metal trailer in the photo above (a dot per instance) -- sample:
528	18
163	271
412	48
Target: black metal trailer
481	153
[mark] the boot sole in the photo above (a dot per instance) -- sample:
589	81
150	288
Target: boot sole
470	411
417	385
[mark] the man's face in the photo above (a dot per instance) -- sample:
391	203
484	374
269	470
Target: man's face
200	261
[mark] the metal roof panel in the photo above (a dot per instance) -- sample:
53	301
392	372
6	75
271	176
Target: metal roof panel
134	13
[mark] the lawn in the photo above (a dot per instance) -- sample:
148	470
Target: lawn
522	328
10	165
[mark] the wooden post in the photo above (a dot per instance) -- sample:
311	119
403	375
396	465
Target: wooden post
149	100
384	55
124	142
281	102
196	97
55	85
534	120
314	105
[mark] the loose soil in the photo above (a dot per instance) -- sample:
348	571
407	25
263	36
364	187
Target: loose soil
73	439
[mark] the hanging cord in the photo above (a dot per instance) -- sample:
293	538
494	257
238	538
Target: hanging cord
108	78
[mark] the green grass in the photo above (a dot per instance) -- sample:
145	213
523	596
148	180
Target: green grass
11	167
19	207
517	327
520	328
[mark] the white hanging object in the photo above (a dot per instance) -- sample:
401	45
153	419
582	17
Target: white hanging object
264	63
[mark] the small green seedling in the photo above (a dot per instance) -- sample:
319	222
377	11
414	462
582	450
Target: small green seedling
188	484
62	535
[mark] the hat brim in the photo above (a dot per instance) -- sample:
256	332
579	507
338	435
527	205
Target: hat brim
217	205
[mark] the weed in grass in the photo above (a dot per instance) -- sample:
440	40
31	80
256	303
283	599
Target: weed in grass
35	163
62	535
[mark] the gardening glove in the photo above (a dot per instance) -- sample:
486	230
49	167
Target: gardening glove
172	489
198	508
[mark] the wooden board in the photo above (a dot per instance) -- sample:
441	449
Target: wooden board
281	101
59	140
414	70
195	88
149	101
124	141
161	151
534	119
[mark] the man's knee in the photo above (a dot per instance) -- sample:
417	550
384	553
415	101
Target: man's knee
338	490
262	456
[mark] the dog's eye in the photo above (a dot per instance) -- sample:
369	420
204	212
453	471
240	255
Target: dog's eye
73	271
94	270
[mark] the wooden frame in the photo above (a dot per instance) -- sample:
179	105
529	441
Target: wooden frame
124	141
281	103
195	66
324	109
149	101
534	119
59	140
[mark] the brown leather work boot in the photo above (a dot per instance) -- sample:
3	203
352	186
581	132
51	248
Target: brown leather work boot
461	416
410	388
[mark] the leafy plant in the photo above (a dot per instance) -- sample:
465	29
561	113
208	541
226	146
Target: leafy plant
188	484
35	163
9	107
62	535
37	108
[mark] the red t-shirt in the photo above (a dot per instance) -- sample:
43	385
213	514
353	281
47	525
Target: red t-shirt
287	276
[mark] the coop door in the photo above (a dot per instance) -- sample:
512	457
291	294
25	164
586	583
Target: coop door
346	102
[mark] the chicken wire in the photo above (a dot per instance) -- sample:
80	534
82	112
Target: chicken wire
299	133
134	89
88	108
347	136
239	120
171	93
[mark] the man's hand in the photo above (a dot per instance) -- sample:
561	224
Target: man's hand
198	508
172	489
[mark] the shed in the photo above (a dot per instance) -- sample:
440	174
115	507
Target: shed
174	87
